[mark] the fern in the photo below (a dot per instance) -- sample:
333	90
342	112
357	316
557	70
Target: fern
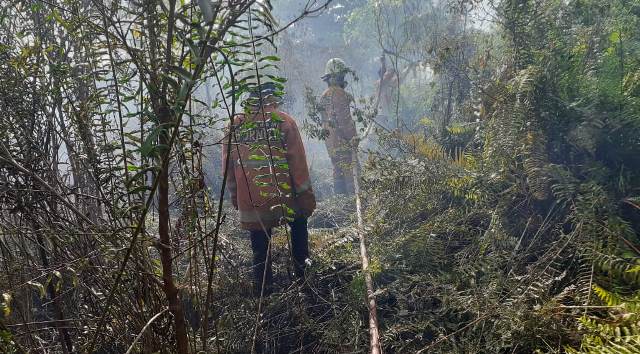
618	268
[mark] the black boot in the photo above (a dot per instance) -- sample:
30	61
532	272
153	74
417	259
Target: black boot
299	245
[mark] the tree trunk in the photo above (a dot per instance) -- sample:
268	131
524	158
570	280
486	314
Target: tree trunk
374	332
170	289
448	112
65	339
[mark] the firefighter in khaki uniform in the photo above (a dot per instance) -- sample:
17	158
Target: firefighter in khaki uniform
268	179
336	119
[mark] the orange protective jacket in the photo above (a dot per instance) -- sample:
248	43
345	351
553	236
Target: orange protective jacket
335	110
268	176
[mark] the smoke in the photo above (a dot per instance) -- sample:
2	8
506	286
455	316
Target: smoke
304	49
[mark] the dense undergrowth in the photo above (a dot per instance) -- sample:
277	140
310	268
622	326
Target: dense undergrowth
507	222
527	240
518	233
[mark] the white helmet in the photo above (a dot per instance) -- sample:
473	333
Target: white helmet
335	66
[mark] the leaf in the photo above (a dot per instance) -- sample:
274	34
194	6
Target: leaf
184	91
275	117
56	15
289	211
58	284
257	157
426	122
149	145
6	304
139	189
195	52
634	269
182	72
74	277
270	58
171	81
614	37
38	286
278	79
248	125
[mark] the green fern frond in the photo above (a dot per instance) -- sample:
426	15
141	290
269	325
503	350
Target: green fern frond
618	268
631	345
608	297
459	129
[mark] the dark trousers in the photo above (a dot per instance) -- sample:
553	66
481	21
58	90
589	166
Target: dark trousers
261	253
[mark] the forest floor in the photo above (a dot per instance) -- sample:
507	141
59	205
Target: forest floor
300	316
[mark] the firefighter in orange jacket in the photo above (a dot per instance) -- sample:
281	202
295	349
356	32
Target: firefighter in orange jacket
268	179
336	118
387	89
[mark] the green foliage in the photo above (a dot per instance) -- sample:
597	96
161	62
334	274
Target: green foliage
95	110
533	237
6	341
507	221
618	333
313	125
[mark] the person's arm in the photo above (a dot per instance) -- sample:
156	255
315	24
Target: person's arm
298	168
229	168
348	129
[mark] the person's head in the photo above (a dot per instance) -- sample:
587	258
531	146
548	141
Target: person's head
334	73
335	80
266	96
390	74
